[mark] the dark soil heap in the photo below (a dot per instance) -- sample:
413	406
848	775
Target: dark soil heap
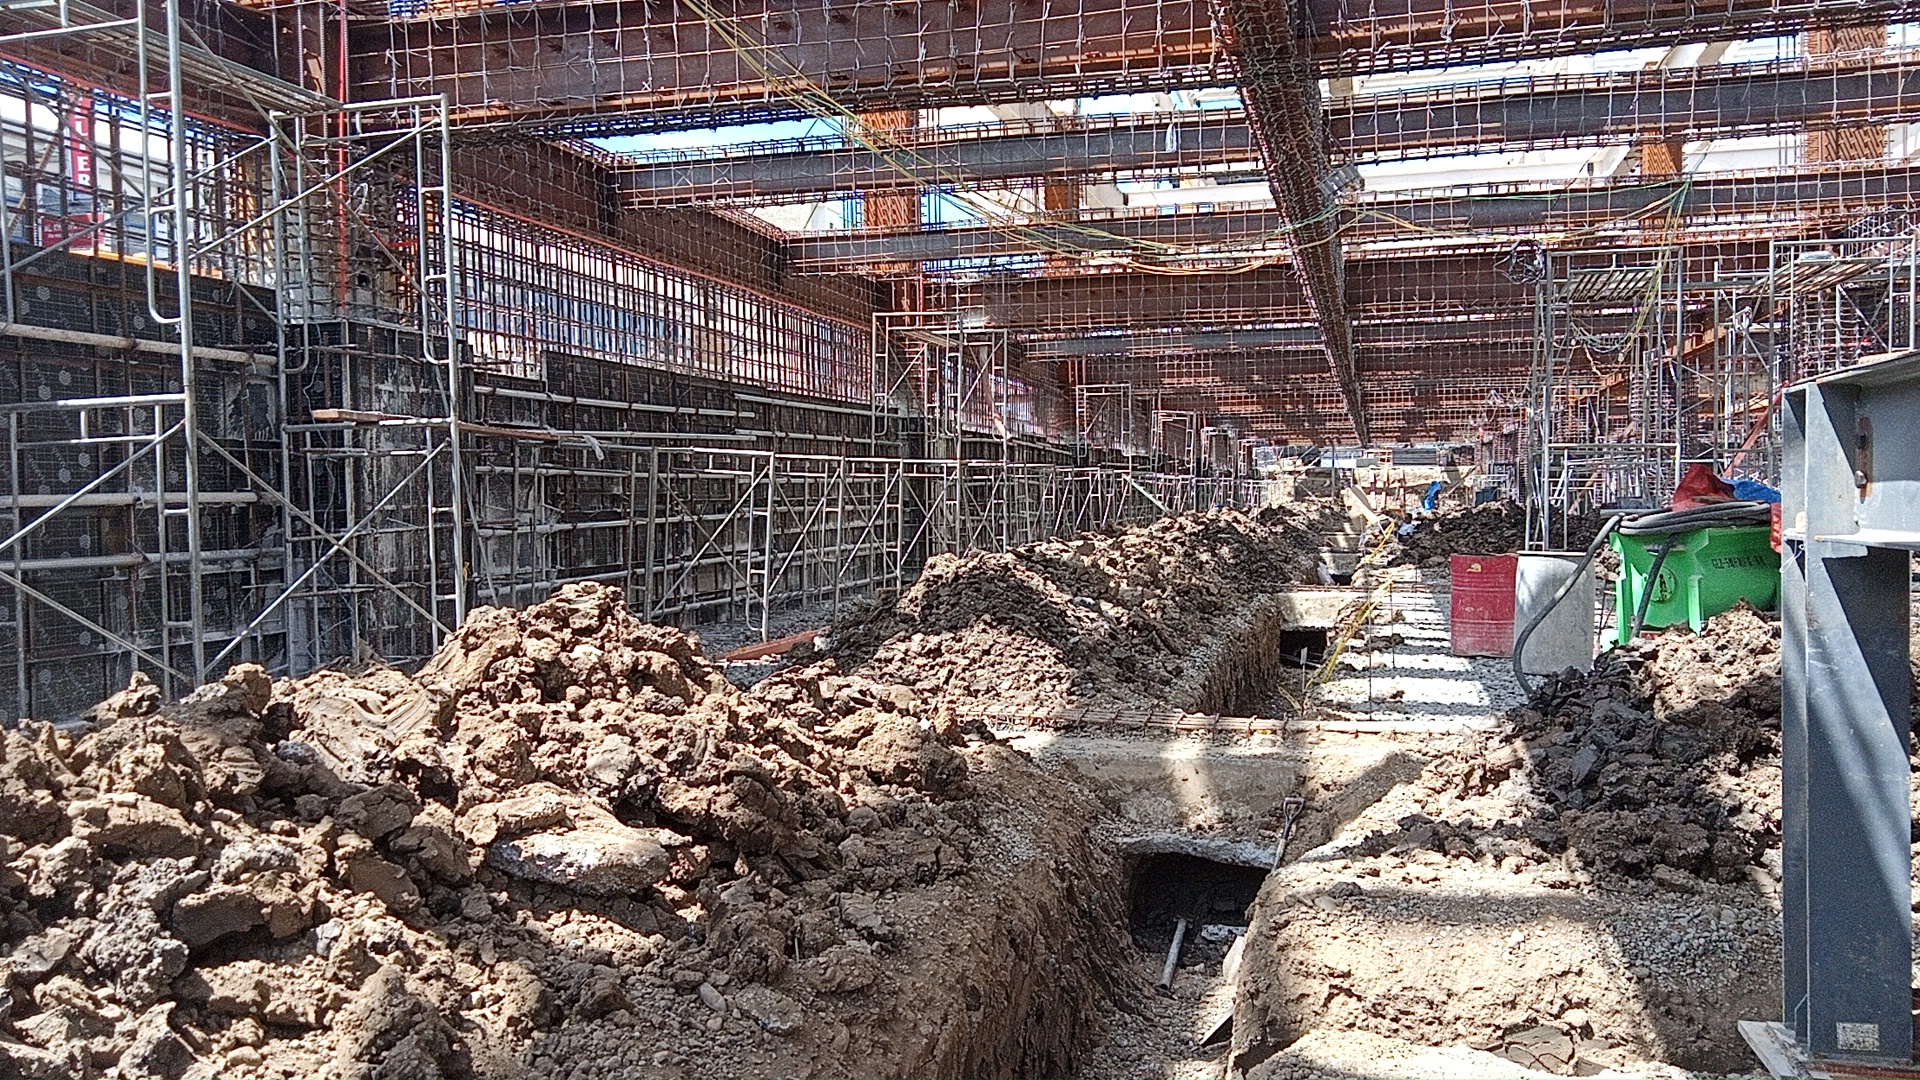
1661	764
1488	529
1097	619
1665	757
567	847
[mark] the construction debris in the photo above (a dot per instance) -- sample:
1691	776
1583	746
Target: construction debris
566	847
1489	529
569	845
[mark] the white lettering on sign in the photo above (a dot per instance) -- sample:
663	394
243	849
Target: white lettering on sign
1859	1036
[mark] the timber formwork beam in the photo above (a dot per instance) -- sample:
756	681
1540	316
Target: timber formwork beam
1404	407
1383	289
1400	35
605	68
1147	351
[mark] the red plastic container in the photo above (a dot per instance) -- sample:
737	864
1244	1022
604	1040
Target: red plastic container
1482	616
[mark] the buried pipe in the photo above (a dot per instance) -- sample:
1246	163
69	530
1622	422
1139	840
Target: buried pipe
1165	985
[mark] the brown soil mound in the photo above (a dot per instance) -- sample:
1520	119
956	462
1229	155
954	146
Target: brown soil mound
1108	619
567	847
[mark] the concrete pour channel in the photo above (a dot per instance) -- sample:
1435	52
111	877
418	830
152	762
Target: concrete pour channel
1198	818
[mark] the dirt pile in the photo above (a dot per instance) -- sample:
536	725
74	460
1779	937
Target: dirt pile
566	847
1661	763
1488	529
1664	761
1593	881
1099	619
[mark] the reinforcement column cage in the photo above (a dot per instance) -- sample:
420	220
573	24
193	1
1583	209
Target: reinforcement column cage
1607	410
372	382
1852	516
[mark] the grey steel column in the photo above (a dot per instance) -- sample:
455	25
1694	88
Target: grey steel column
1793	726
1845	795
1858	819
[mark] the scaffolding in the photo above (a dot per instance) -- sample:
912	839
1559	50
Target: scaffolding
140	416
1650	361
312	409
1816	307
300	382
1606	402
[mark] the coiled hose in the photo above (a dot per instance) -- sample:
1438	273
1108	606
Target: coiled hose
1668	522
1658	523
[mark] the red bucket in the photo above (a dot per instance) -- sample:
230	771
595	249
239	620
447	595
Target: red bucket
1481	619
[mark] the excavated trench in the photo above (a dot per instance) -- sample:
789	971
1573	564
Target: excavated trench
1195	824
1349	947
1257	657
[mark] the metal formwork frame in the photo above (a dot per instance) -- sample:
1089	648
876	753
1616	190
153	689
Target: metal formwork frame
142	181
717	533
372	381
1103	416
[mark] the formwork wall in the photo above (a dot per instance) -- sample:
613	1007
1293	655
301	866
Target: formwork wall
717	449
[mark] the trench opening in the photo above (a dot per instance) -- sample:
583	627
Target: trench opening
1304	646
1211	896
1258	666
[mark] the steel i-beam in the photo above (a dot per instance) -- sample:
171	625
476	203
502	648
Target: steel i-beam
1851	516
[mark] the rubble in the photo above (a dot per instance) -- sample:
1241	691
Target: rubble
569	846
1662	764
566	846
1096	620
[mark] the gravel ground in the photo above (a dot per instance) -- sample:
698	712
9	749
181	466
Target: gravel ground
1158	1037
1410	673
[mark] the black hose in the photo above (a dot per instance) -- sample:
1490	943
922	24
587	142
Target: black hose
1646	587
1662	523
1520	640
1668	522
